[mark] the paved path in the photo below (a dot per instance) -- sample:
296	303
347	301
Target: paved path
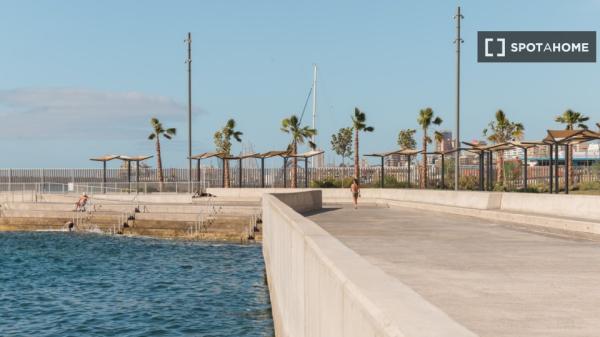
495	279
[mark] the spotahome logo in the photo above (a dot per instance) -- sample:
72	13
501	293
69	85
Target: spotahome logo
536	46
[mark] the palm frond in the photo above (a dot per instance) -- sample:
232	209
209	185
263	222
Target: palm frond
152	136
230	124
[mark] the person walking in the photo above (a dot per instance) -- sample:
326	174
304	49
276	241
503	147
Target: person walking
355	189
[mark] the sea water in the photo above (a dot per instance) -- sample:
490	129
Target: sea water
67	284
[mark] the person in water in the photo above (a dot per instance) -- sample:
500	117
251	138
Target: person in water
355	189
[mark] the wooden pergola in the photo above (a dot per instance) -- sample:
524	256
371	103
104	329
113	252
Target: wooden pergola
408	153
305	156
262	156
283	154
206	155
566	138
223	157
128	160
488	150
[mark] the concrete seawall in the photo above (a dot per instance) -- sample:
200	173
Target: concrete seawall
557	212
319	287
157	215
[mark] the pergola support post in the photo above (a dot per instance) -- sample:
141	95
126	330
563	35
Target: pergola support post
525	169
223	178
284	172
262	172
128	176
295	163
382	172
104	177
566	174
490	172
198	171
551	169
240	174
443	171
408	166
137	176
306	172
481	170
556	170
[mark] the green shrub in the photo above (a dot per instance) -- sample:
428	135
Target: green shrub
468	183
331	183
589	185
390	182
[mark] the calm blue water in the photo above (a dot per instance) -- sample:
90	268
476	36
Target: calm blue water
64	284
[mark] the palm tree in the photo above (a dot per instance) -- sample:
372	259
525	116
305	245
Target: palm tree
359	123
502	130
425	119
300	135
572	119
439	138
406	139
157	131
222	140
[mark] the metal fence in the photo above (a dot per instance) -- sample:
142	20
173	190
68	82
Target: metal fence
206	177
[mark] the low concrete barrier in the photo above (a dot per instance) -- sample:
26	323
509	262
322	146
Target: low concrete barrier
248	194
469	199
319	287
560	205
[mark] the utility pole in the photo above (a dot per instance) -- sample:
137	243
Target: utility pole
314	106
458	42
189	64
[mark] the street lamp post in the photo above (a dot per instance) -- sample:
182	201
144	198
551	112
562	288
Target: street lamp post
458	42
189	64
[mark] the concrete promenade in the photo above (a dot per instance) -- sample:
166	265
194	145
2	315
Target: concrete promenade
496	279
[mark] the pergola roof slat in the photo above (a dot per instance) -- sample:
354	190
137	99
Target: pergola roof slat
567	137
105	158
403	152
121	157
305	155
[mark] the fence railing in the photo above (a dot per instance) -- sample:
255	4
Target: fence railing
117	180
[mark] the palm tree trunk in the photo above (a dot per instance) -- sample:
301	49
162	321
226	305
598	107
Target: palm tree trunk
500	168
571	171
294	166
356	163
424	167
161	177
226	178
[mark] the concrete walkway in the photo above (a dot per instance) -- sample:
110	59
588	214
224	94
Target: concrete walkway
494	278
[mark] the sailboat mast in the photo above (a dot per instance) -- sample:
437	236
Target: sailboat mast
314	102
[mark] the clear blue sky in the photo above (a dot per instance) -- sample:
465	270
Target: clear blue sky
82	78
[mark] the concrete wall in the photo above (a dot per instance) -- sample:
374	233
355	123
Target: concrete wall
319	287
249	194
470	199
557	205
302	201
570	206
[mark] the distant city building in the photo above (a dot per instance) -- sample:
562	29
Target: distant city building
514	153
447	142
319	160
394	160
